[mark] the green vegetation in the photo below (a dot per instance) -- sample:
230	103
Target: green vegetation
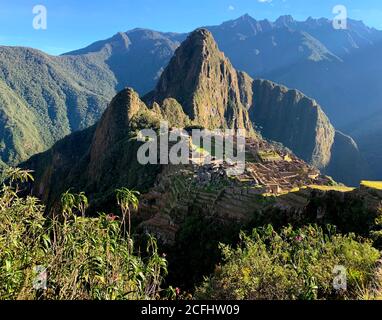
269	155
332	188
95	258
173	112
77	201
20	135
372	184
81	258
127	199
294	264
44	98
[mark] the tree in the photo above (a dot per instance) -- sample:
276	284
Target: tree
81	203
68	201
127	199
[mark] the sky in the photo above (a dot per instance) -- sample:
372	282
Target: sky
73	24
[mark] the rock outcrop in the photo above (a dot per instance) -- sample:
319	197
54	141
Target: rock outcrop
199	87
288	116
204	82
213	94
181	202
99	159
298	122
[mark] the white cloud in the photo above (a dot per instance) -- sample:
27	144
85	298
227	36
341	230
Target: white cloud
262	1
231	7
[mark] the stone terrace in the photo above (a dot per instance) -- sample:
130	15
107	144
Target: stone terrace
270	170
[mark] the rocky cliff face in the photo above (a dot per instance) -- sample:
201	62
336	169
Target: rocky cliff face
347	163
179	202
82	82
113	127
290	117
213	94
199	86
99	159
203	81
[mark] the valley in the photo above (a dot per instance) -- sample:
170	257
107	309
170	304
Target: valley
313	62
182	201
106	190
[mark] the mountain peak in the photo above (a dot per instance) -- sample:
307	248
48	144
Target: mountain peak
117	117
120	111
285	21
204	82
316	22
200	41
246	17
114	125
247	25
120	41
200	33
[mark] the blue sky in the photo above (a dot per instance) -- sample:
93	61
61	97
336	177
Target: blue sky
72	24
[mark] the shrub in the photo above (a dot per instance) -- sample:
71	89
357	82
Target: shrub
293	264
83	258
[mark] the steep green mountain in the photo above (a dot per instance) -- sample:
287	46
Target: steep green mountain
18	124
55	95
98	159
181	202
136	58
212	92
312	56
103	157
295	120
309	55
290	117
203	81
70	92
338	68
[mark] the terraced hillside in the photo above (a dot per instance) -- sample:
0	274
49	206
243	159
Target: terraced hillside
193	207
212	191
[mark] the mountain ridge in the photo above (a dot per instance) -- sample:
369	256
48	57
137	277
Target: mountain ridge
107	158
205	83
120	66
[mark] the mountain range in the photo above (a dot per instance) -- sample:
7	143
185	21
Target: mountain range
63	94
191	208
201	87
